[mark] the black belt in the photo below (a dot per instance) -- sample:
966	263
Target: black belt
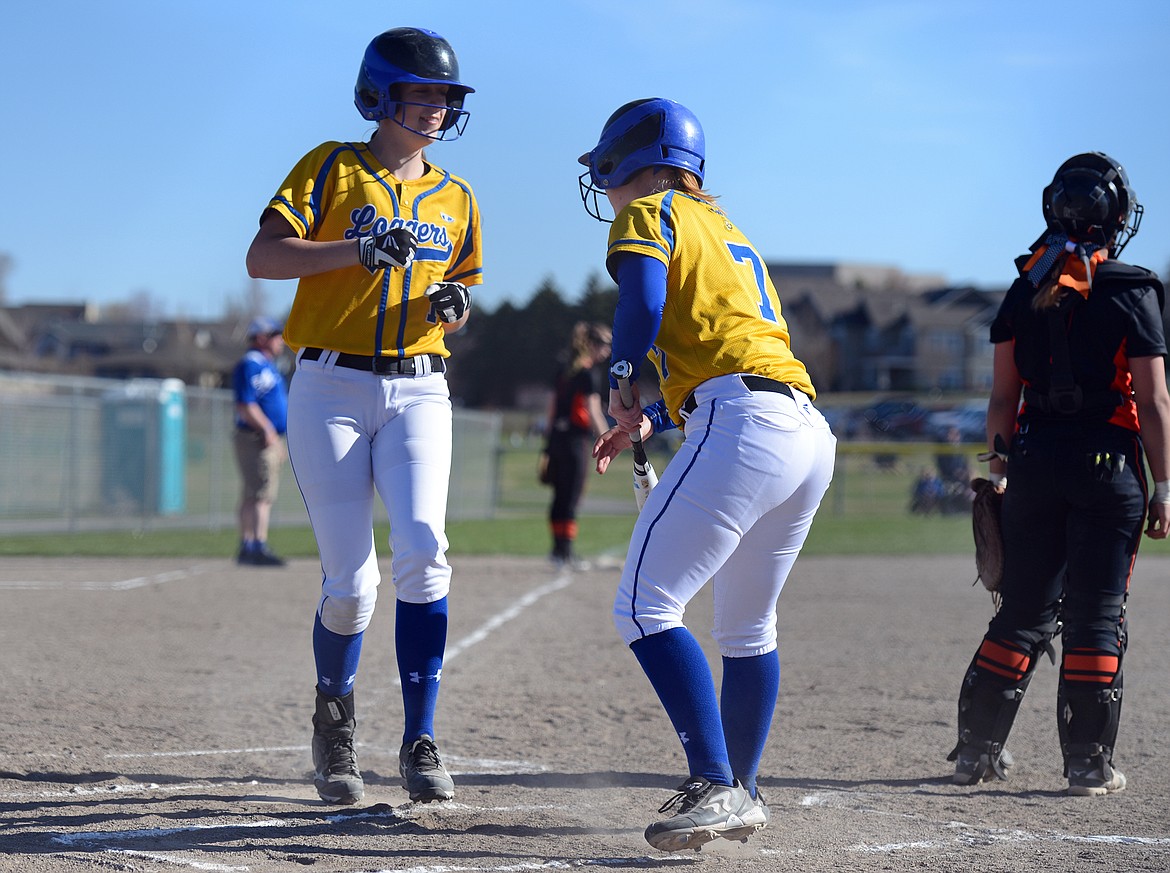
1071	401
752	383
379	364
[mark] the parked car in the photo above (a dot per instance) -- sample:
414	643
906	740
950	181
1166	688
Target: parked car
970	419
897	419
847	422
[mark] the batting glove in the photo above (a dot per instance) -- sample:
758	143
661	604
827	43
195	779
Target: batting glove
394	248
449	300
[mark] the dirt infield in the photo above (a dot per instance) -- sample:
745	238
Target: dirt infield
157	713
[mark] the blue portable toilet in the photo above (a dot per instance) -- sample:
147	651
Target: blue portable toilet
144	447
172	447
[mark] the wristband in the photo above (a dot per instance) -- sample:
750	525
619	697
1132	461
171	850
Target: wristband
659	418
1161	492
999	482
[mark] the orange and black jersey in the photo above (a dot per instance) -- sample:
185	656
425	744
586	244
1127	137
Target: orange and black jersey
1121	318
571	406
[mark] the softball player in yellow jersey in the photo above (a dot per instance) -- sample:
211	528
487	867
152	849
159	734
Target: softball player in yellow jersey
736	502
385	245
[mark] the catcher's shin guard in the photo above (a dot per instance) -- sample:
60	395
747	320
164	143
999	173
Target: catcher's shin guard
1088	713
1088	699
989	699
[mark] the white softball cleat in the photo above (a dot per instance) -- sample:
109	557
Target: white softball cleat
1093	777
707	811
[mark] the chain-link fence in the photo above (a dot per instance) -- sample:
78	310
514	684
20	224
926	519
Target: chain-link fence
94	454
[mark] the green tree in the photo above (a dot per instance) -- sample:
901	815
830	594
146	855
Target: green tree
511	347
598	300
504	351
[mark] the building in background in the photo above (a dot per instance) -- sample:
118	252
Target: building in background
862	328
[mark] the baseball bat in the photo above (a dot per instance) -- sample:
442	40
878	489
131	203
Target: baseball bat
644	476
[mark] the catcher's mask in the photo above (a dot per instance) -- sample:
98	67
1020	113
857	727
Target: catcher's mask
652	132
411	55
1090	201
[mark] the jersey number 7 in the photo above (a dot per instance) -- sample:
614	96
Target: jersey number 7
746	254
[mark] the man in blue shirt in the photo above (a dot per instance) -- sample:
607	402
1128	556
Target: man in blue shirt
261	416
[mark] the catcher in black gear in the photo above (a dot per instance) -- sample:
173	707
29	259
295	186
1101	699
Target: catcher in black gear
1079	338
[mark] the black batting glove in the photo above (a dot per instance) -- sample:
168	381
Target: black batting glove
394	248
449	300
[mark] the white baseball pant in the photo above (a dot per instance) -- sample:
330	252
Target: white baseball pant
351	433
733	506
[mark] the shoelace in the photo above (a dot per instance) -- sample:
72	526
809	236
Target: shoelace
425	755
688	797
342	758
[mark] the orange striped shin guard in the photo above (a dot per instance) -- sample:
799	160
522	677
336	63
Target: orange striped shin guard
1004	660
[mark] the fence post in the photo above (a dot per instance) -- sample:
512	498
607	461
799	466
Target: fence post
215	467
72	460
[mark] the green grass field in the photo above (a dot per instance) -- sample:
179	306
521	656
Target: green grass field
865	512
518	535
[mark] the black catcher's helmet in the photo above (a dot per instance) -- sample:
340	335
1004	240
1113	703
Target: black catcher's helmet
410	55
1090	200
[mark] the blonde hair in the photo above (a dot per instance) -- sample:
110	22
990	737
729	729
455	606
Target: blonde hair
587	338
1048	295
684	181
1053	289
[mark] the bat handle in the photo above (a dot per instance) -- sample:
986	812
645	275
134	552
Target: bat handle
621	372
644	477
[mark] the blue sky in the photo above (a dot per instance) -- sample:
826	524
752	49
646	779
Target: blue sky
141	140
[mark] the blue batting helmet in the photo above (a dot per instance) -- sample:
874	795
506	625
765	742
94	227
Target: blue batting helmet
410	55
653	132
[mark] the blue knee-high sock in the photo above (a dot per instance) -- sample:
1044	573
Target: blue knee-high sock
337	658
747	703
420	636
677	668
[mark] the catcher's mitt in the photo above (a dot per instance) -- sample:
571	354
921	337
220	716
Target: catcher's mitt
985	523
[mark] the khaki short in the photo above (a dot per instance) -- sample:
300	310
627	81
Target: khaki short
259	466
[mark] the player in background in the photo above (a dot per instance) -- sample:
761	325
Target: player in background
261	415
735	503
1079	338
385	245
574	419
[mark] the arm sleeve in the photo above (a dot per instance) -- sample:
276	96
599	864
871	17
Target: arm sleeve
641	299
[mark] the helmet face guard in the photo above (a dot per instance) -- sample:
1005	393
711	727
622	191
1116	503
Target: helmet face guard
411	56
1090	200
653	132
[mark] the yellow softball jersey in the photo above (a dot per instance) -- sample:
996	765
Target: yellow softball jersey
341	191
722	312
